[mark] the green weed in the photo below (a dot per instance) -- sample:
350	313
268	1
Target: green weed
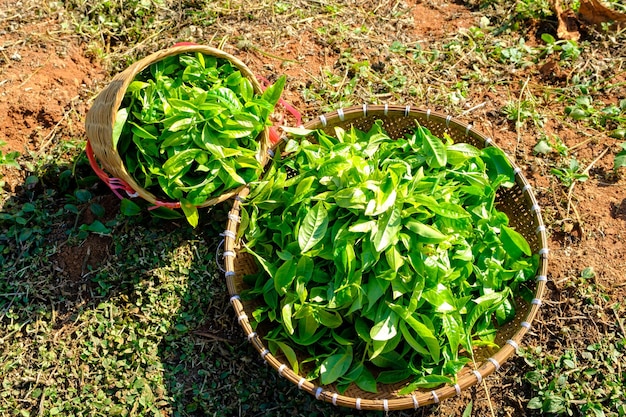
8	160
586	378
605	117
570	174
620	158
585	382
548	144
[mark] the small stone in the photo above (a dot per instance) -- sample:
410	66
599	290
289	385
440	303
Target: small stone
16	57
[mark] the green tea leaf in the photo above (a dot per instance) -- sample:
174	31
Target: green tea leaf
514	243
135	86
424	333
335	366
458	153
498	164
386	326
284	276
272	93
180	161
449	210
286	313
120	119
434	149
313	227
227	98
452	325
190	211
289	353
387	229
366	381
426	231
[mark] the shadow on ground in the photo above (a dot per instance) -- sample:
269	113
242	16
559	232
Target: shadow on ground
103	314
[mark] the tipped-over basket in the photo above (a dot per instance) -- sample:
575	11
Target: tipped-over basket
100	120
517	202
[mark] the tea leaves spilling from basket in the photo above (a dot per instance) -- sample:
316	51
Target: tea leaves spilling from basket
516	202
194	136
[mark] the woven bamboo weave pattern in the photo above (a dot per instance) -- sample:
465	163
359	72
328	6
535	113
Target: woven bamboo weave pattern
518	203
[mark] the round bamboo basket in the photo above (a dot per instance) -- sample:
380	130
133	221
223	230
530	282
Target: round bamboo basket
517	202
101	117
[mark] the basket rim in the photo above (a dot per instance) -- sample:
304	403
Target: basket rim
102	149
418	398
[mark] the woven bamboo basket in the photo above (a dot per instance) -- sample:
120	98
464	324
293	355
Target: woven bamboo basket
517	202
106	161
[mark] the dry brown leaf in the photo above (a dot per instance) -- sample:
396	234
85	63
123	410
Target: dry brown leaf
595	13
568	27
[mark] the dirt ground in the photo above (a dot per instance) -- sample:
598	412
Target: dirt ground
47	82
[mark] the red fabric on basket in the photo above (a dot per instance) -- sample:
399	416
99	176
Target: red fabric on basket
114	184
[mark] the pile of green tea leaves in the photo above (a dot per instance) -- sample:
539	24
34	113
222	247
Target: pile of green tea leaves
188	125
381	259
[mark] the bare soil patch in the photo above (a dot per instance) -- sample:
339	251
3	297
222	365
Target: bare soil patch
45	79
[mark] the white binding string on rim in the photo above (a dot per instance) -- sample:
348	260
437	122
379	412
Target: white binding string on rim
264	353
540	229
251	336
234	297
488	142
301	382
536	301
525	325
526	188
467	129
495	363
478	376
229	253
228	233
517	170
364	110
448	118
407	110
435	397
281	369
544	251
230	274
358	404
234	218
335	395
242	317
318	393
386	109
323	120
535	207
457	388
386	404
513	344
542	278
416	403
427	114
340	114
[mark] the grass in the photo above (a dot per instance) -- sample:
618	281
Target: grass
585	376
103	314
